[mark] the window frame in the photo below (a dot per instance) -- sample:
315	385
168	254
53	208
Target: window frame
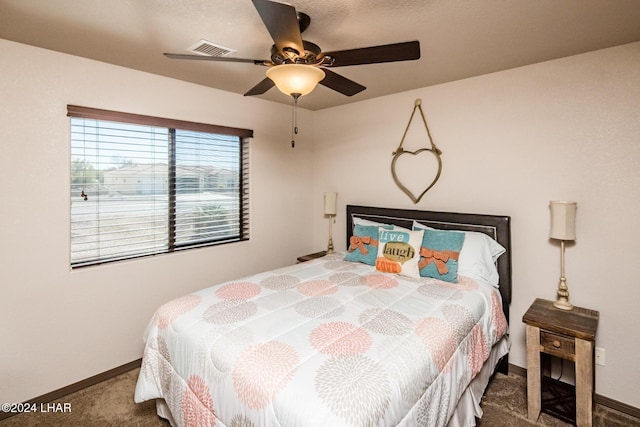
173	125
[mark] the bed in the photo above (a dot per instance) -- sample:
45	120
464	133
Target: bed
337	342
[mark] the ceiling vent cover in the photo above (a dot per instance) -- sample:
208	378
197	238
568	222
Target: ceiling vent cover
205	47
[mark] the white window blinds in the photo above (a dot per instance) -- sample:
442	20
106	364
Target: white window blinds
139	188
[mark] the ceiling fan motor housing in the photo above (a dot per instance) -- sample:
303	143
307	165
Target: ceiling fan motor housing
312	55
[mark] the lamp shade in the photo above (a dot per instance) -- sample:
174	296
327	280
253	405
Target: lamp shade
330	203
295	78
563	220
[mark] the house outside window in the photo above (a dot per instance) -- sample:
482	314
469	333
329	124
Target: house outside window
143	185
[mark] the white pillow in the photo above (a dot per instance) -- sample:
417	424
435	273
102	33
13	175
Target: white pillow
399	251
366	222
362	221
477	256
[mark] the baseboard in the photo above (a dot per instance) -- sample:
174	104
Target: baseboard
517	370
597	398
617	406
64	391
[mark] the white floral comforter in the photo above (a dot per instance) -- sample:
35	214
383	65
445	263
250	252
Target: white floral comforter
323	343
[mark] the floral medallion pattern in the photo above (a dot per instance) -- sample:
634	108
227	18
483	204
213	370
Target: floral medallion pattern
262	371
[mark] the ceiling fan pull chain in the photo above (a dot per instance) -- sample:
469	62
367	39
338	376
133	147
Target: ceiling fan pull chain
294	118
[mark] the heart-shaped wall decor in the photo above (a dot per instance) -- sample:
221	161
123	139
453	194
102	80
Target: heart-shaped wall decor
417	153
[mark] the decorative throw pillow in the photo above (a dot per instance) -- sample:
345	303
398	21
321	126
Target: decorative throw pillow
399	251
363	244
477	256
439	254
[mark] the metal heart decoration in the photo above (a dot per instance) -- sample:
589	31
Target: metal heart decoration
400	152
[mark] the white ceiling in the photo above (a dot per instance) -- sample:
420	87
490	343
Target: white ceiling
458	38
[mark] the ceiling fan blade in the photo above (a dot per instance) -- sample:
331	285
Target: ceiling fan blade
282	23
261	87
216	58
375	54
341	84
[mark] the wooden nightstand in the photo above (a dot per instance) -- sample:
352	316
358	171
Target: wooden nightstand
309	257
569	335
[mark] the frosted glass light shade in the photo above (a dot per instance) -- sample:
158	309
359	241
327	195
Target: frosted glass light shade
330	203
563	220
295	78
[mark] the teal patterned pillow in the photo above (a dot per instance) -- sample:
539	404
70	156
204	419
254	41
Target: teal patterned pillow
439	254
363	245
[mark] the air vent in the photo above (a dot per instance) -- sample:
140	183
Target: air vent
205	47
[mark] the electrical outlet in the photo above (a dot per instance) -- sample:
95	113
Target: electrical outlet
599	356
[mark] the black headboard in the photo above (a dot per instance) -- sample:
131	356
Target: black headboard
496	226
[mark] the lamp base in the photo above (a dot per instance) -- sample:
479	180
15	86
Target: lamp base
562	296
330	245
563	305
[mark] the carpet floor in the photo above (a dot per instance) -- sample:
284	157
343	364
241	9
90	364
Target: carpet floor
110	403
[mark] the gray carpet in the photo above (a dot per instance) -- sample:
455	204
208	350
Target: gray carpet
110	403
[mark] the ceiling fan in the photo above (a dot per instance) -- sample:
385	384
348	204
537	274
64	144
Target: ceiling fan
293	58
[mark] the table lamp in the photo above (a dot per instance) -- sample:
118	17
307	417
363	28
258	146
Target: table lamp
563	228
330	210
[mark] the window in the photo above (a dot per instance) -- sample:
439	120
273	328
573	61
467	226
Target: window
144	185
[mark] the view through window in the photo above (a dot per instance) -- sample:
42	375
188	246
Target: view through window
141	189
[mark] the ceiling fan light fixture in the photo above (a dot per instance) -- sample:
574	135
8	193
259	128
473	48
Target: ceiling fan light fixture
296	79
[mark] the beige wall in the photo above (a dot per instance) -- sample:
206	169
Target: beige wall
59	326
512	141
